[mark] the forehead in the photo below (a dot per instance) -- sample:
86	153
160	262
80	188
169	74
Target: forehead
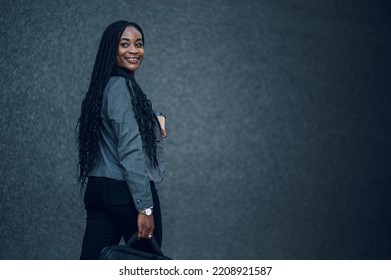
131	32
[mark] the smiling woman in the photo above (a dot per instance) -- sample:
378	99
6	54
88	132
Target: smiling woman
131	49
120	145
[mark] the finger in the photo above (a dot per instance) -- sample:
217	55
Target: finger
150	234
140	233
145	233
146	230
140	227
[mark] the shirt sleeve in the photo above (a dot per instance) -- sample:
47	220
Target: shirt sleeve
129	144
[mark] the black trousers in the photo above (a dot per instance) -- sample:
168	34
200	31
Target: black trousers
111	214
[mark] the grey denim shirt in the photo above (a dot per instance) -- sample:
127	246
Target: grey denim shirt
121	153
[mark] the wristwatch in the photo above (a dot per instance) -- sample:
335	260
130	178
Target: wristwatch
146	211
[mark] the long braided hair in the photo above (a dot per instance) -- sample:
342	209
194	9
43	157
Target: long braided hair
87	129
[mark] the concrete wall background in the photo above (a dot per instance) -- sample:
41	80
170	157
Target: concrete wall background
278	121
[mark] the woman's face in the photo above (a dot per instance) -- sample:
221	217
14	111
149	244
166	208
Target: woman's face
130	50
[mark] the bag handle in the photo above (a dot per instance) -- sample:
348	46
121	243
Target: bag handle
153	242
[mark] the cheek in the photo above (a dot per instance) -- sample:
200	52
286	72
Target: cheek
120	53
119	58
142	55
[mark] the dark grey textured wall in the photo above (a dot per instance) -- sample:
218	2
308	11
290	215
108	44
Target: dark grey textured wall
278	123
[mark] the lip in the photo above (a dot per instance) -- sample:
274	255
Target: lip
132	59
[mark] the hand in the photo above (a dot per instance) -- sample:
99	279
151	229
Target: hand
164	133
145	226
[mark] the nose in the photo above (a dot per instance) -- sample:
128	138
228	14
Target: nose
132	49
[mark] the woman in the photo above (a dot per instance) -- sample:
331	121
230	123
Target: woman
120	146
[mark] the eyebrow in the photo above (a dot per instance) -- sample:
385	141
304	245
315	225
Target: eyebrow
126	39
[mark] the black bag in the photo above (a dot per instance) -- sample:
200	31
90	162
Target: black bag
126	252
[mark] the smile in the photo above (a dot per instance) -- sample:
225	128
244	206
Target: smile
132	59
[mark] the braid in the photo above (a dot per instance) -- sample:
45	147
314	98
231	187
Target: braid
145	118
87	129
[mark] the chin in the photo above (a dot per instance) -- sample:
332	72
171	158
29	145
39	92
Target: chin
130	69
133	70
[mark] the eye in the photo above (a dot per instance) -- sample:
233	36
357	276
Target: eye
139	45
124	45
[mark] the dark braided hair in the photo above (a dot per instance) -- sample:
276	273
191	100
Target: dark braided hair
87	129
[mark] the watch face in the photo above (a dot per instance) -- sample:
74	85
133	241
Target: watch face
148	211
